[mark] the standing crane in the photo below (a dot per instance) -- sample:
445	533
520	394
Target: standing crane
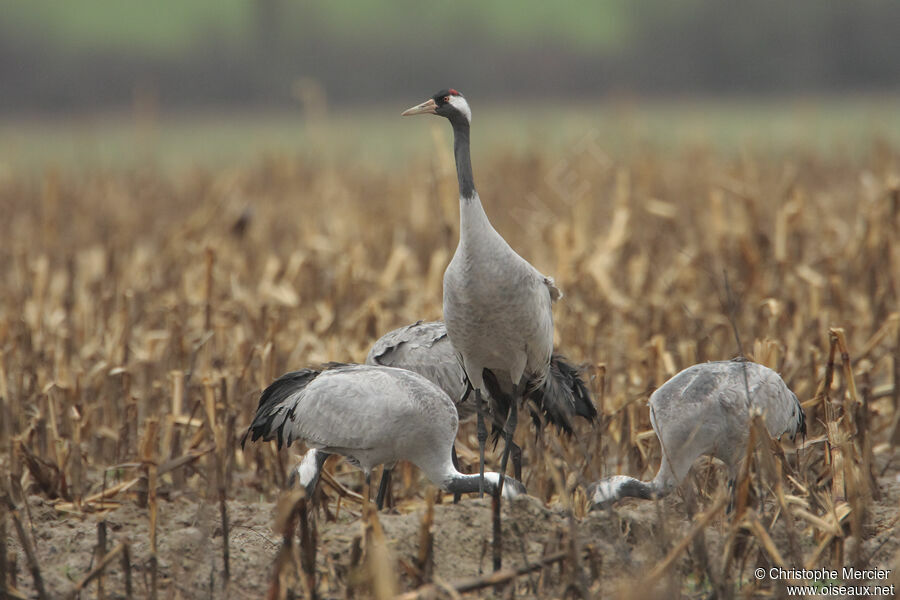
706	410
371	416
497	307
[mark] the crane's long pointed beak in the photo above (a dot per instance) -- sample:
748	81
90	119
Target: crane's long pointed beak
427	107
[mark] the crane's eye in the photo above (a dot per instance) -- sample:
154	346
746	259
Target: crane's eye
446	98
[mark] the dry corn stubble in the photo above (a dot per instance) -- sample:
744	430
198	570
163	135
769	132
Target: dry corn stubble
141	314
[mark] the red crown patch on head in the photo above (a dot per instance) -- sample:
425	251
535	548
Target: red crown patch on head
453	92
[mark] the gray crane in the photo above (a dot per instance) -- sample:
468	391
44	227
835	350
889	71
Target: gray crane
497	307
371	415
706	410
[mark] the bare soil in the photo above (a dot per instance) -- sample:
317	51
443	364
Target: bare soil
619	545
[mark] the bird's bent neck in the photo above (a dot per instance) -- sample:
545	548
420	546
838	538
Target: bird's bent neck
610	490
448	477
635	488
466	484
451	480
460	483
463	159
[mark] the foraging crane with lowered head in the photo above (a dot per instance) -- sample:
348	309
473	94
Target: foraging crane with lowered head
706	410
371	416
497	306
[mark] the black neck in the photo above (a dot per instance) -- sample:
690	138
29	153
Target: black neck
463	159
634	488
466	484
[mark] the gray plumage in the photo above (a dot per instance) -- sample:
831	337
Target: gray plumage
424	348
497	307
372	415
704	410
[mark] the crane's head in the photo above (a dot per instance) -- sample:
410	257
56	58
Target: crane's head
446	103
605	493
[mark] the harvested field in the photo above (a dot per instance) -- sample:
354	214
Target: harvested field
142	312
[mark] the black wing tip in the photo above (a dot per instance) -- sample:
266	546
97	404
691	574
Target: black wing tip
270	402
254	433
562	394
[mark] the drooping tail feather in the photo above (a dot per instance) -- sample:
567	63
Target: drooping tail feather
273	412
562	395
559	397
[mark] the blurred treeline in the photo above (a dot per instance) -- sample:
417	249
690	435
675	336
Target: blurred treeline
98	54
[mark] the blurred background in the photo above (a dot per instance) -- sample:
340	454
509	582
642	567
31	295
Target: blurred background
223	79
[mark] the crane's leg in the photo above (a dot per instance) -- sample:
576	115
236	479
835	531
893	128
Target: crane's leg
455	460
383	487
516	453
508	430
482	440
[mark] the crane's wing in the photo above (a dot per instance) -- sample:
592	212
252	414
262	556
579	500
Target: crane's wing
348	407
738	385
730	389
424	348
418	334
780	407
